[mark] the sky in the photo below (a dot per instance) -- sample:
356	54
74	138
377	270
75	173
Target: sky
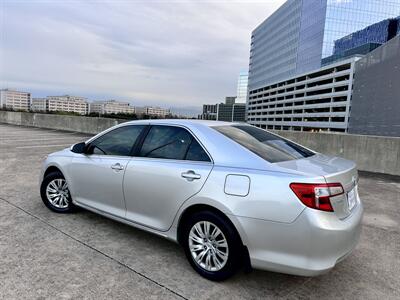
166	53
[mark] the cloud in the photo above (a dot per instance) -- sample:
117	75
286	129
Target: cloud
148	52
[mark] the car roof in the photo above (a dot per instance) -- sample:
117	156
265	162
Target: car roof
185	122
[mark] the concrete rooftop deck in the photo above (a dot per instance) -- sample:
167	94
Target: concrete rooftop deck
83	255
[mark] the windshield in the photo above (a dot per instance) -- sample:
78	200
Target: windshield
269	146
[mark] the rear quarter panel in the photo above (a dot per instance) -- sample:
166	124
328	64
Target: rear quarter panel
269	197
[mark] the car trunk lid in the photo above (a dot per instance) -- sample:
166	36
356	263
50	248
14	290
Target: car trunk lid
334	170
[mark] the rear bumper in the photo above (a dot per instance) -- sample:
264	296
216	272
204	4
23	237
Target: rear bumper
309	246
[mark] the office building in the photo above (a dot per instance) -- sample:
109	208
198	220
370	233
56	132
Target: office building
39	105
153	111
364	41
64	103
209	112
15	100
378	33
140	110
111	107
241	95
157	111
228	111
230	100
295	38
358	51
235	112
67	103
313	101
375	106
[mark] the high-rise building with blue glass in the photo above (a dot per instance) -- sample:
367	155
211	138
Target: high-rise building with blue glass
301	33
241	95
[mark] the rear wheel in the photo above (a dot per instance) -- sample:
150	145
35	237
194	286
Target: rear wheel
55	193
212	245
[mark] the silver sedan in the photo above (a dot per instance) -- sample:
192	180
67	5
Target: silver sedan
231	194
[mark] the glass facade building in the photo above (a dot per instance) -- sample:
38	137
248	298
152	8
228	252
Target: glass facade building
273	50
295	38
378	33
241	95
346	16
364	41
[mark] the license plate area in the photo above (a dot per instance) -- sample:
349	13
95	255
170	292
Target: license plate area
352	198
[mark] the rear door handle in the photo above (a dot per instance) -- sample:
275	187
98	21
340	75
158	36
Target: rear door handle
190	175
117	167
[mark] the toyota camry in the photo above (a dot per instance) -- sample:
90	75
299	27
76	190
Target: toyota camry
231	194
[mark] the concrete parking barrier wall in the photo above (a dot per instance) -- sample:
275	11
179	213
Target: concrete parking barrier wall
91	125
371	153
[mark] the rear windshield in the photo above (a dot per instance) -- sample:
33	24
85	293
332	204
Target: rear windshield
270	147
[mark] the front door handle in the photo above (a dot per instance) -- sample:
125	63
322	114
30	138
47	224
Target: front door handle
117	167
190	175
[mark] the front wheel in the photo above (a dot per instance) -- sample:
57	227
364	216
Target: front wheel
212	245
55	193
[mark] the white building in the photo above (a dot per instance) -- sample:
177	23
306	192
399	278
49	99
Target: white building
153	111
313	101
39	104
241	95
15	100
67	103
111	107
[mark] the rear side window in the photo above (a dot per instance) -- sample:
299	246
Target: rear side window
269	146
170	142
116	142
196	152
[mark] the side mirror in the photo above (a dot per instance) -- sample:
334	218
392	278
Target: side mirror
79	148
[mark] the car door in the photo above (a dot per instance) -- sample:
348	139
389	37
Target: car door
96	176
170	167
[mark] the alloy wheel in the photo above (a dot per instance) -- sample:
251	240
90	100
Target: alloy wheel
57	193
208	246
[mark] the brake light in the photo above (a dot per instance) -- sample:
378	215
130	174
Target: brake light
317	195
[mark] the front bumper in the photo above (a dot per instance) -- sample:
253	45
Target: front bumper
309	246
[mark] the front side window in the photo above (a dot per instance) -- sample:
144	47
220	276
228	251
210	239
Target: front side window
119	141
171	142
266	145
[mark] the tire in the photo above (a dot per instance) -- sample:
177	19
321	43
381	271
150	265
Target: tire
216	267
55	193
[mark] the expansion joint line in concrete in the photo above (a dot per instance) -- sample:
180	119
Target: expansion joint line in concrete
94	249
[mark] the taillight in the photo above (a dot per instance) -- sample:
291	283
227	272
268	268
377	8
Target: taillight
317	195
